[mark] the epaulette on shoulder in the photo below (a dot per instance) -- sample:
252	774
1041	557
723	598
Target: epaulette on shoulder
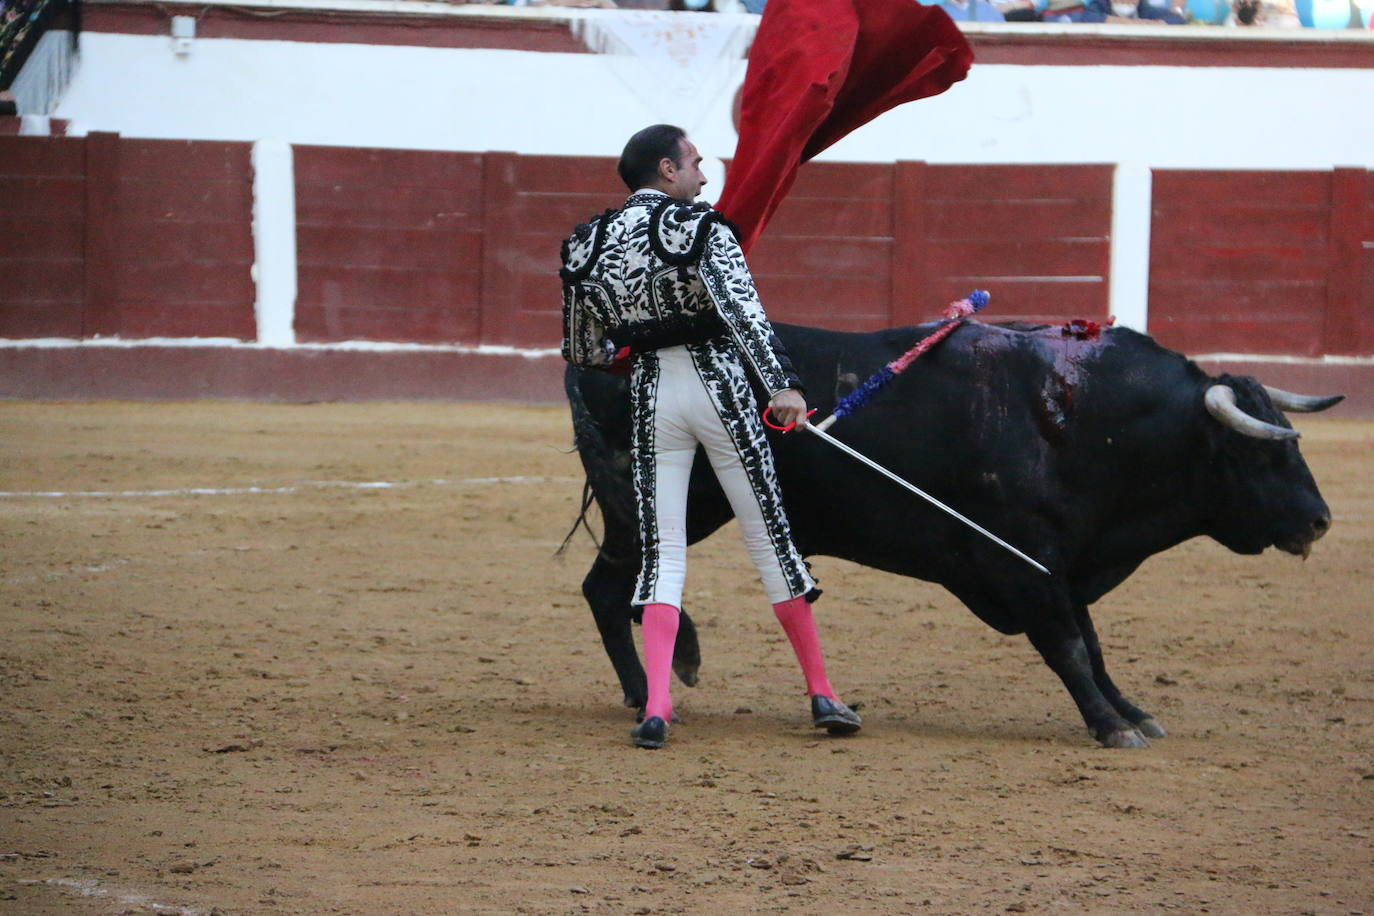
679	231
582	248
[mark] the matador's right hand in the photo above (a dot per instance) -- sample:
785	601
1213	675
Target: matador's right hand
788	407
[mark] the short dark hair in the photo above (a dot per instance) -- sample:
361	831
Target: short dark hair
638	166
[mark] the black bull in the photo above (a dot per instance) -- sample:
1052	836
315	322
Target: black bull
1088	453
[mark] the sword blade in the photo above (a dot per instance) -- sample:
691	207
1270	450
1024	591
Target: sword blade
816	431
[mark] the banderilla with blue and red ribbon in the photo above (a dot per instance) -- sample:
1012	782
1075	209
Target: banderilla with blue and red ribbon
956	314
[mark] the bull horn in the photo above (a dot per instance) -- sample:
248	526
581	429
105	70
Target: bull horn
1221	403
1302	403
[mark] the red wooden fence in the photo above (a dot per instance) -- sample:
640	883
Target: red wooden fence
388	245
1263	262
402	246
137	238
141	238
43	225
1037	237
531	204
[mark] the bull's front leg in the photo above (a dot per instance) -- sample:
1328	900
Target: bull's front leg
1064	649
1143	721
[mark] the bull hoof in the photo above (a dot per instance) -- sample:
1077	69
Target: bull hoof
686	672
1151	728
1123	737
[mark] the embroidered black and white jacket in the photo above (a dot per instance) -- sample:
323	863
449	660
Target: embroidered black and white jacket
662	272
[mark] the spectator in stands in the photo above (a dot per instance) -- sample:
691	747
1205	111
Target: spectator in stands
1019	10
1121	12
1282	14
972	10
588	4
1076	11
1170	12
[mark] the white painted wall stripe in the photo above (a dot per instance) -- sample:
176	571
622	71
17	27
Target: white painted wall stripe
309	93
274	242
1280	359
295	488
1129	288
228	343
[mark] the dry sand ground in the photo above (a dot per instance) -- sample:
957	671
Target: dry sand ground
330	699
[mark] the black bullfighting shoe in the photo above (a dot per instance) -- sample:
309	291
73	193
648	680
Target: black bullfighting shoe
651	733
834	716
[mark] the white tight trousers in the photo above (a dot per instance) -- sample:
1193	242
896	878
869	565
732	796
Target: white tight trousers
691	404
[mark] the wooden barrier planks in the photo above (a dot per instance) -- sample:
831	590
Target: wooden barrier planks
43	190
1239	261
389	245
153	238
180	264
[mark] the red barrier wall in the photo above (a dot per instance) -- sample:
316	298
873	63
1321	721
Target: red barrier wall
148	238
181	262
137	238
1037	237
531	204
863	246
402	246
826	257
388	245
42	220
1263	262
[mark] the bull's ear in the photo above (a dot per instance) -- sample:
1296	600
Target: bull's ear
1302	403
1221	404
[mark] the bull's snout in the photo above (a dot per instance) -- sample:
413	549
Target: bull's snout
1300	543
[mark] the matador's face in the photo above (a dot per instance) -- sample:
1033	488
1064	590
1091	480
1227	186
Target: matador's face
684	181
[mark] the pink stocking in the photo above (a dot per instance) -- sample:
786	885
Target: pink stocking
660	634
800	627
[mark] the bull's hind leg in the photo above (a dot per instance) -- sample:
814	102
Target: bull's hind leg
686	651
1143	721
608	588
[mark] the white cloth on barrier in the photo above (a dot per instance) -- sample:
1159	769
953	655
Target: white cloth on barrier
678	64
39	85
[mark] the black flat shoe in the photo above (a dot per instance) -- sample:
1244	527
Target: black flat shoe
651	733
834	716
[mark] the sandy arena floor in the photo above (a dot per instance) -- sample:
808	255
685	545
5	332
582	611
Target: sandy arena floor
236	682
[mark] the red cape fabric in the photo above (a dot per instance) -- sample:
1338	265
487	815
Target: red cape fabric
818	70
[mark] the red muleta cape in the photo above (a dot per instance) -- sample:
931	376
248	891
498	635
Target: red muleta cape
818	70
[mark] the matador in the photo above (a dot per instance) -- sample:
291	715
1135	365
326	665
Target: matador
661	287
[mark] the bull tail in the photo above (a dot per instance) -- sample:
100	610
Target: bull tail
607	483
581	520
